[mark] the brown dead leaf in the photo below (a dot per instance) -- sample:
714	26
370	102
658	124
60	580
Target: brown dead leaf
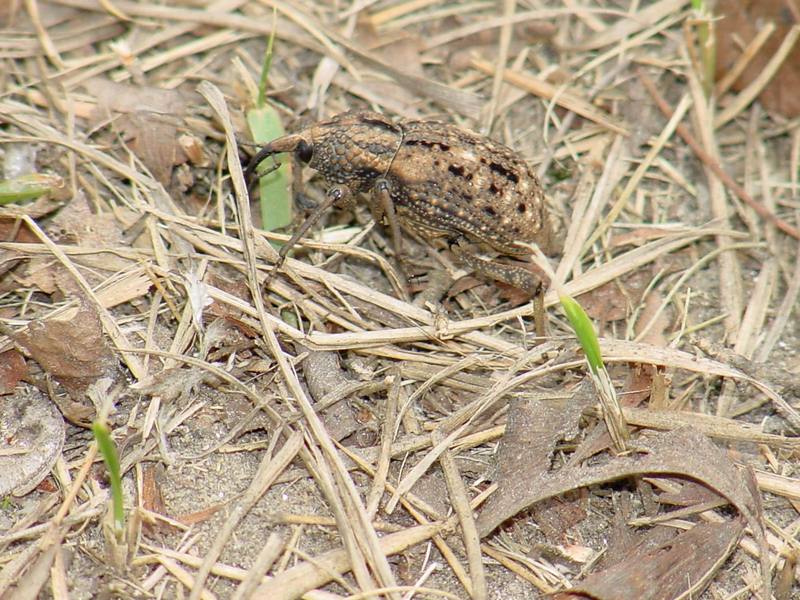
74	351
77	224
152	499
624	540
12	229
606	303
40	274
613	301
638	384
683	453
534	427
688	493
12	370
149	122
679	567
193	149
200	516
155	142
655	332
324	376
174	384
739	23
398	48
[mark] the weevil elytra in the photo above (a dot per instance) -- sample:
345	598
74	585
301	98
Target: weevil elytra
431	177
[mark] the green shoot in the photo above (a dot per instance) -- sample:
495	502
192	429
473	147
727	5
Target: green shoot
28	187
108	450
706	40
612	411
265	125
584	330
265	68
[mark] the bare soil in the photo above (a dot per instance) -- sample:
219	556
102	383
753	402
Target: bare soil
323	437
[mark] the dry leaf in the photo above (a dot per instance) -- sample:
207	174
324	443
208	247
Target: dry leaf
74	351
174	384
739	23
688	493
12	370
638	384
324	376
31	438
150	122
12	230
683	453
533	430
680	566
614	300
397	48
655	332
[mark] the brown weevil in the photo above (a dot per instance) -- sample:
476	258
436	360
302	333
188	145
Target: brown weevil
431	177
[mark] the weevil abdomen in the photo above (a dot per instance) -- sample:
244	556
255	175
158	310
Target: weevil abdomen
457	182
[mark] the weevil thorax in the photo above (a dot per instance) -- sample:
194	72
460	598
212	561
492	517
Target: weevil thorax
354	148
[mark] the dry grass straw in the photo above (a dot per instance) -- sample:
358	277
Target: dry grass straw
482	357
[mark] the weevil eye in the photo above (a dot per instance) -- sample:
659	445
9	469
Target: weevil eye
304	151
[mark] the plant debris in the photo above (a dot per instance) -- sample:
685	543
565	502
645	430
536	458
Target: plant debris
310	431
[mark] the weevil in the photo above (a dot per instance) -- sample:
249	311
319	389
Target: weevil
428	176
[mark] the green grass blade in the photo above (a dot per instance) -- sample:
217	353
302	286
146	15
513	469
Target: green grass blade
267	65
275	188
28	187
108	450
584	330
265	125
611	409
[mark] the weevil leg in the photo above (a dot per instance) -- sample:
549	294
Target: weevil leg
381	206
301	198
518	277
337	195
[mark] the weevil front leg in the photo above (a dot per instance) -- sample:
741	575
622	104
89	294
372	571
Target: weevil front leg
518	277
338	195
381	206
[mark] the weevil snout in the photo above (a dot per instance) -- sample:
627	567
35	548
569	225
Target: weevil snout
297	144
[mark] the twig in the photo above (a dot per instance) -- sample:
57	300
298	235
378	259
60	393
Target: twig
726	179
